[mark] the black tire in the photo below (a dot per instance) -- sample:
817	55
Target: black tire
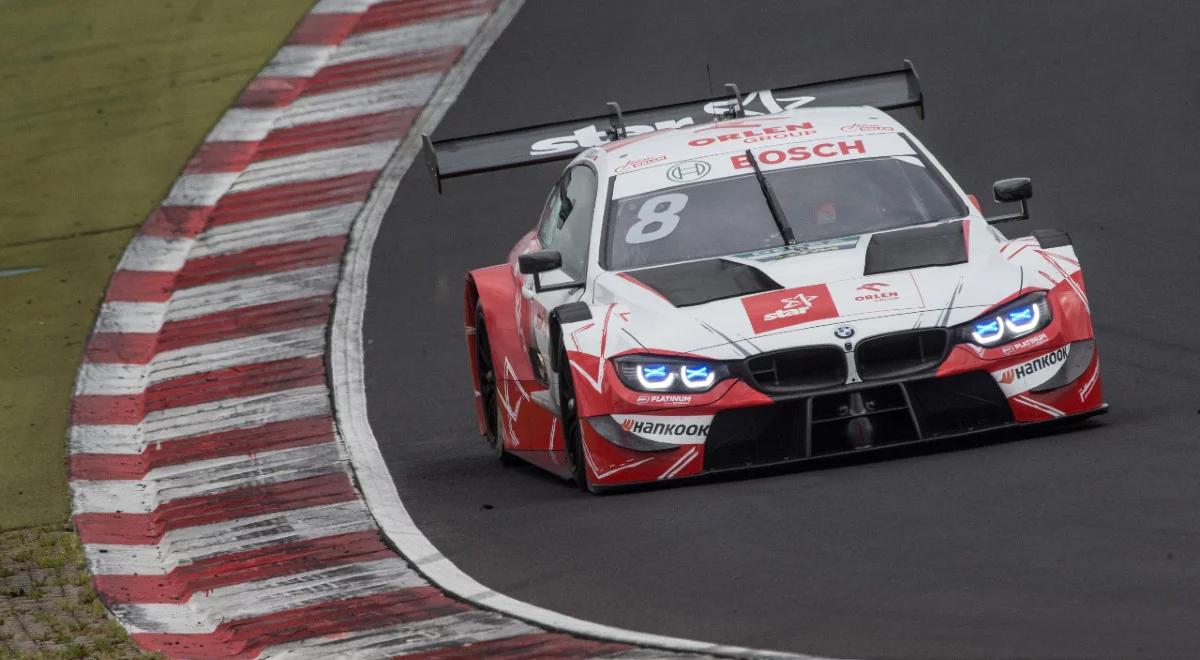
572	429
487	389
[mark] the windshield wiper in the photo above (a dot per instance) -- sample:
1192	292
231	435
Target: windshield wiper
785	230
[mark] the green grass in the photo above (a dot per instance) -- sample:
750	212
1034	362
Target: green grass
48	609
103	102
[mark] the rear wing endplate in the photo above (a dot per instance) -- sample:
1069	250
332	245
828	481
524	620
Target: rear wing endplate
891	90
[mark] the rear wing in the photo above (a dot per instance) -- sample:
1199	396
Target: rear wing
891	90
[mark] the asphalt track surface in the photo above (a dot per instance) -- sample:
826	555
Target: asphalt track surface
1084	543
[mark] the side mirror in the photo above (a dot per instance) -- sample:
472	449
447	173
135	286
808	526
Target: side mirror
1020	190
532	263
541	261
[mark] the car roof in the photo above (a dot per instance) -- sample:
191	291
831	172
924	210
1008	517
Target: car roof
752	132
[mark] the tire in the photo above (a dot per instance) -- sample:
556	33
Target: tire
487	389
572	427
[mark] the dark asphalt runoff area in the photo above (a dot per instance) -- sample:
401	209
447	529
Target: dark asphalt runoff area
1077	544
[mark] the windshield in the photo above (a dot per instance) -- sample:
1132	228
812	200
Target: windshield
729	215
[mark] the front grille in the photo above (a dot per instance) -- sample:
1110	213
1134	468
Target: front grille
960	404
852	418
900	353
799	369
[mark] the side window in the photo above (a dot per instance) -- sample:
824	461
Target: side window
567	220
548	224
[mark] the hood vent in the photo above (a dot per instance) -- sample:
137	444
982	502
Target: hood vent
943	244
699	282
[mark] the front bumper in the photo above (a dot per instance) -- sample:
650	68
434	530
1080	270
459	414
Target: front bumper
973	397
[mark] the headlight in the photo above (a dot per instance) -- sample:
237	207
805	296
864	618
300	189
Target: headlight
1021	317
655	373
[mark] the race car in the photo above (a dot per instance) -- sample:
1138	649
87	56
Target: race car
762	279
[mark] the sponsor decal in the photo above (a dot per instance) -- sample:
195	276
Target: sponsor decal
780	309
876	291
675	429
753	133
1028	342
637	163
689	171
664	428
800	153
868	128
753	104
1030	374
664	399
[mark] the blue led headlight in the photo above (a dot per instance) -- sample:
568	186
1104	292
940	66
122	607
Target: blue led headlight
656	373
1021	317
654	376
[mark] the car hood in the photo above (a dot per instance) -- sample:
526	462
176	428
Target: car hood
928	276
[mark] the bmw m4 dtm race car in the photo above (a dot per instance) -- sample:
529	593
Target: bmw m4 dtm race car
757	280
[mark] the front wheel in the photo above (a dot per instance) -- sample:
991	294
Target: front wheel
572	426
487	389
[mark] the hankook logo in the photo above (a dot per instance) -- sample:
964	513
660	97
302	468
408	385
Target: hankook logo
689	171
660	428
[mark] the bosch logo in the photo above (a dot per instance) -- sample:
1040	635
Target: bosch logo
844	332
689	171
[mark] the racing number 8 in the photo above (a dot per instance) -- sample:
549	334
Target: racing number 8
657	218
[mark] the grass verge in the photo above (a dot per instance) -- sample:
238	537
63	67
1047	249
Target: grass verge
48	608
103	102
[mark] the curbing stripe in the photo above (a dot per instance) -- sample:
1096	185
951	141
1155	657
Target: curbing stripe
272	561
183	547
209	485
268	437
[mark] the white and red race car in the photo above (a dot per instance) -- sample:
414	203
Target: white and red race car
790	282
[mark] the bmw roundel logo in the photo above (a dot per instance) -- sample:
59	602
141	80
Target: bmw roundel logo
844	332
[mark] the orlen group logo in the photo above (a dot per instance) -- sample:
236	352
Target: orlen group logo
876	291
779	309
749	133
